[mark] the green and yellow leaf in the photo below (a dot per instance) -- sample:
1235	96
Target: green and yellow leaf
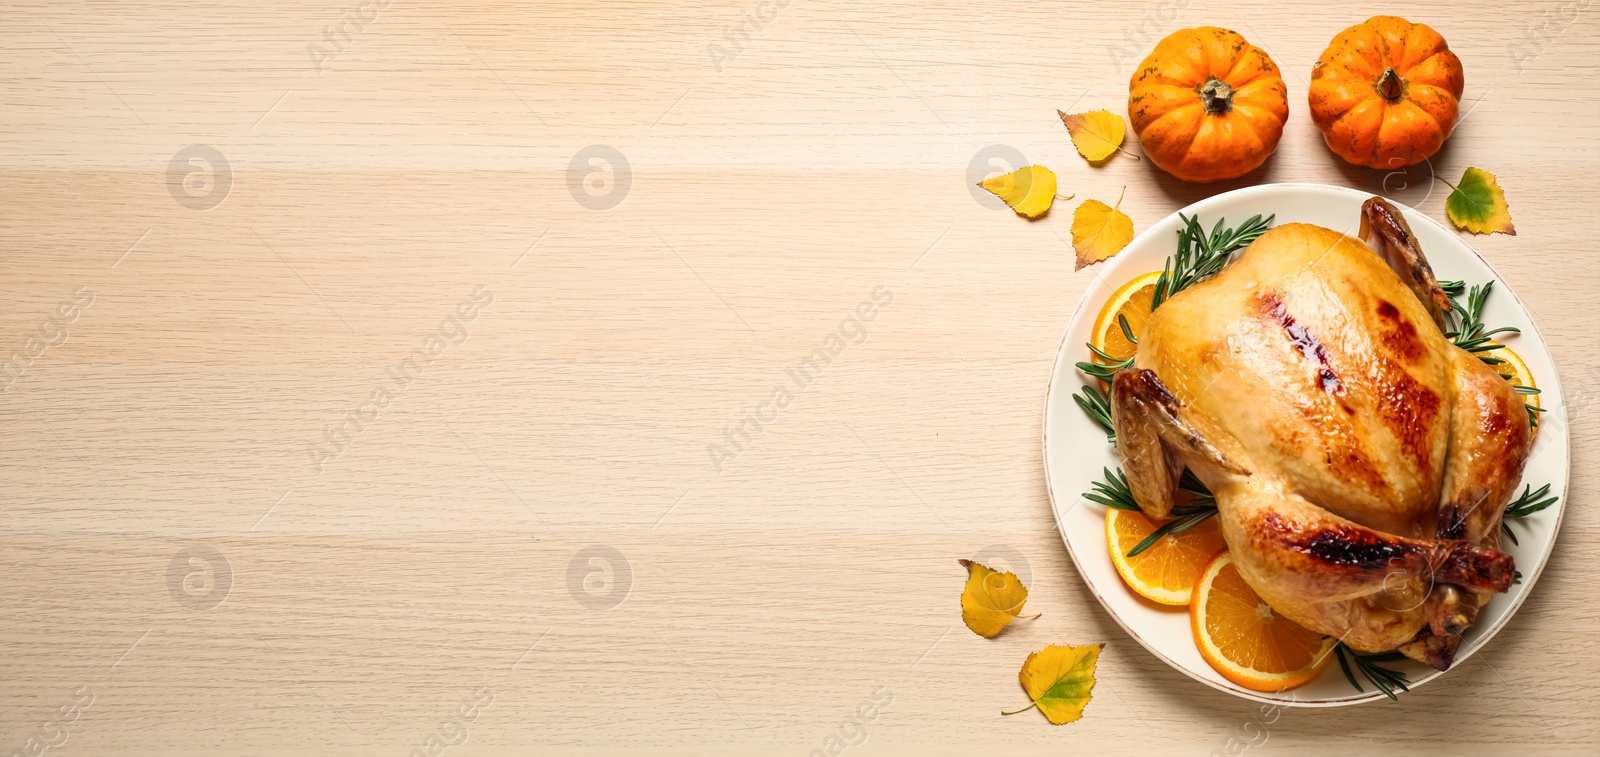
1478	205
1029	190
1059	680
991	599
1099	231
1096	134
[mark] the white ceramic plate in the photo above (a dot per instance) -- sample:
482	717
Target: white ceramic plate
1075	448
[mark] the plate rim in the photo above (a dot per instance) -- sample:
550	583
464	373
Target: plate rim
1263	697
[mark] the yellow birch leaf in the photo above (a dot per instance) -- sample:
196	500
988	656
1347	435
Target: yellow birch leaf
1098	231
1478	205
1059	680
1029	190
1096	134
991	599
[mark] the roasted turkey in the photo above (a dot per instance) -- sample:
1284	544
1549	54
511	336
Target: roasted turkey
1361	461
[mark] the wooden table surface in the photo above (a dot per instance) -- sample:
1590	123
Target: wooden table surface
404	370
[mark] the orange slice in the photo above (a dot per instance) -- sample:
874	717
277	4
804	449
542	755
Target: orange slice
1512	367
1167	570
1248	642
1132	301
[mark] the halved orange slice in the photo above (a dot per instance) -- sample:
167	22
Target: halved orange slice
1132	301
1166	571
1247	641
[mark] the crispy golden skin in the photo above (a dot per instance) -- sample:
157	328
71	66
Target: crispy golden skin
1360	461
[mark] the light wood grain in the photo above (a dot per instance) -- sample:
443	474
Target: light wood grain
767	601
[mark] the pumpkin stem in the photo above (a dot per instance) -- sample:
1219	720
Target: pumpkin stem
1216	96
1390	85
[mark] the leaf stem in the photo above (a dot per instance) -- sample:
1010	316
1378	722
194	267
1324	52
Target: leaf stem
1025	709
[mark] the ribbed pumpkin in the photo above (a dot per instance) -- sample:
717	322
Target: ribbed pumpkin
1207	105
1386	92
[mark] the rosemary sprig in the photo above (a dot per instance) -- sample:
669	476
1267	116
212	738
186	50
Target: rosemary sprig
1383	679
1104	371
1533	410
1099	409
1468	332
1532	501
1200	256
1199	495
1174	527
1127	331
1114	492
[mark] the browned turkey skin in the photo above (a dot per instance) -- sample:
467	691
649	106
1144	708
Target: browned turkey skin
1361	462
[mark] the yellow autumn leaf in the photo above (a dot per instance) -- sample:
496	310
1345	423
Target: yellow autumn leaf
1098	231
1059	680
1029	190
991	599
1096	134
1478	205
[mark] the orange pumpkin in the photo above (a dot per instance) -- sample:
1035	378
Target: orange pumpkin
1207	105
1385	93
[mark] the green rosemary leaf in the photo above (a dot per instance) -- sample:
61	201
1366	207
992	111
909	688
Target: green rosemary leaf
1127	331
1113	491
1531	501
1115	363
1383	679
1099	370
1195	519
1098	408
1199	495
1338	651
1173	528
